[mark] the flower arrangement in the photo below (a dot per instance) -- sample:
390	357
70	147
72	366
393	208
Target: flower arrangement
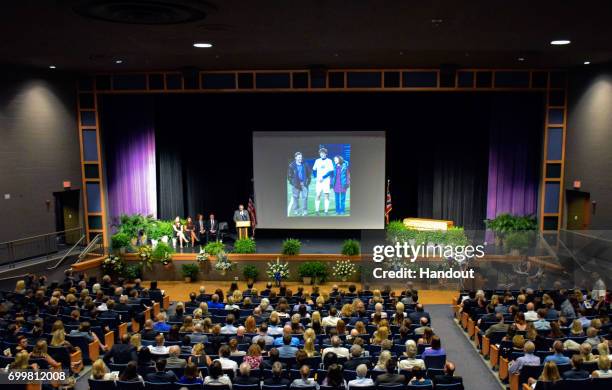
343	269
223	263
278	271
202	256
113	265
145	254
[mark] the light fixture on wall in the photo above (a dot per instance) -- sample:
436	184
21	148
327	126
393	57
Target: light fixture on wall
202	45
560	42
52	66
587	62
118	61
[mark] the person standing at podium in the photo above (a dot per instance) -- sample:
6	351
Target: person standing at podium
241	214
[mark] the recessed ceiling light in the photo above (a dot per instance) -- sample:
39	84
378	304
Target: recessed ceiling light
52	66
118	61
559	42
587	62
521	59
202	44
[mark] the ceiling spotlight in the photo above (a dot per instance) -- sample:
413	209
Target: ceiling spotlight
202	44
52	66
587	62
560	42
118	61
521	59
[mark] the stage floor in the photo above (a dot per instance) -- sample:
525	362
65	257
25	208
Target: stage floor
179	291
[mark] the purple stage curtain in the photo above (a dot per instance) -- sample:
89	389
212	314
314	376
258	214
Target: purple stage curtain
129	141
514	156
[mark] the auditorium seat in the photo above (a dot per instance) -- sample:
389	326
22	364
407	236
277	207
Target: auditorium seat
437	361
121	385
449	386
273	387
159	386
419	387
237	386
101	384
573	384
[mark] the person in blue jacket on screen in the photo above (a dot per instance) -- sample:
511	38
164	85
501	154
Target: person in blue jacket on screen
340	181
298	175
322	170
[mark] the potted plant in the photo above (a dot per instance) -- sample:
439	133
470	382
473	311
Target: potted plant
223	263
319	271
153	232
132	272
113	265
190	272
291	247
278	271
214	248
517	242
306	272
145	254
343	269
165	230
250	273
120	241
244	245
350	247
163	254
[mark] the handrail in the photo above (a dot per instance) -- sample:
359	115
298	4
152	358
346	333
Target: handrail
88	248
14	277
42	235
67	254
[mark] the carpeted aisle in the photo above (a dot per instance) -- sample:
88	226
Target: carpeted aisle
469	365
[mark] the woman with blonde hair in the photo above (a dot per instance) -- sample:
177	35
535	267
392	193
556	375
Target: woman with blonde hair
411	360
576	329
20	287
427	336
207	325
21	361
199	356
250	325
549	378
40	352
380	335
383	358
309	347
346	311
360	327
204	307
341	327
532	333
316	316
603	367
100	372
253	357
237	296
376	297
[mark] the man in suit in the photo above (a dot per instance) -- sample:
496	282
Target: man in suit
121	353
498	327
299	175
173	359
355	359
448	377
576	372
276	379
241	214
161	375
390	377
200	228
211	226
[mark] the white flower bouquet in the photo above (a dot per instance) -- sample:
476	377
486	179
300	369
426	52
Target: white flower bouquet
343	269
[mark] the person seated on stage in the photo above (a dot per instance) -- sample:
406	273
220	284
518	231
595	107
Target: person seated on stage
211	226
200	228
190	229
179	232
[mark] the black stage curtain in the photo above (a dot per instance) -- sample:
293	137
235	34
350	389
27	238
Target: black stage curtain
437	146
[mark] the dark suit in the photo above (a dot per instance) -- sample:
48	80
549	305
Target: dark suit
390	378
299	188
161	377
245	380
243	217
575	374
276	382
447	379
121	354
212	229
352	363
198	230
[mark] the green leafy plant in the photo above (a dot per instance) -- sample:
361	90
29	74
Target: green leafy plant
313	269
244	245
153	230
291	246
165	228
120	240
395	227
305	270
162	253
113	265
507	223
351	247
190	271
133	271
134	225
250	272
320	270
214	248
518	240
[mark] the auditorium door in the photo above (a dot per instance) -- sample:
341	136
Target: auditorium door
578	210
67	214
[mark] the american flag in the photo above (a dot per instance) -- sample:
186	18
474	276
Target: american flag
252	214
388	205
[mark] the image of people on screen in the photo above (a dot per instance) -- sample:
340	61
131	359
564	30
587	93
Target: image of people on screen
311	182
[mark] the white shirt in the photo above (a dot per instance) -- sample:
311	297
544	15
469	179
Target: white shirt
329	321
531	315
228	364
158	349
323	167
361	382
339	351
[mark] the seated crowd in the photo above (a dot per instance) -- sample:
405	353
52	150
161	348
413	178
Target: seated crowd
235	339
549	337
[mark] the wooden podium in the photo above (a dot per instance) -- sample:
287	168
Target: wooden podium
243	228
